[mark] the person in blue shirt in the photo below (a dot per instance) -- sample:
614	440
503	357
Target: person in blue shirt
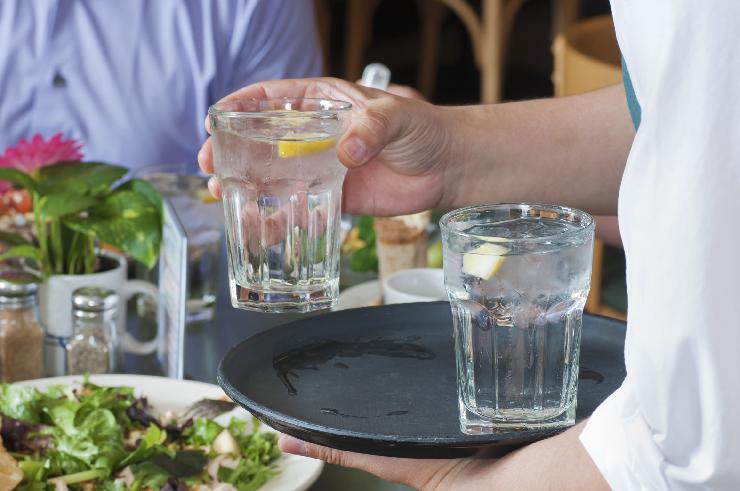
132	80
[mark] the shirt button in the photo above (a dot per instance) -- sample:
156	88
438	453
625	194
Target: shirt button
59	81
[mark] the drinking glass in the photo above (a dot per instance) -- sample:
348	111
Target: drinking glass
282	189
517	276
202	218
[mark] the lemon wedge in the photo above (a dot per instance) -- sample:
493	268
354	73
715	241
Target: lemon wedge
206	197
484	261
300	148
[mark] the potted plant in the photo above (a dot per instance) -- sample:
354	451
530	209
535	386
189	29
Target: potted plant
76	207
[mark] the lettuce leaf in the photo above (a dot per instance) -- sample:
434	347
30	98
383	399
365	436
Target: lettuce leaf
202	433
21	402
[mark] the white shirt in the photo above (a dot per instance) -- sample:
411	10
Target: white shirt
675	423
133	79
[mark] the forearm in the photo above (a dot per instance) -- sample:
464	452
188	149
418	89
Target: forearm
560	462
568	151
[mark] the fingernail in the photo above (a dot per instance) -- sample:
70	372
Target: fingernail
288	444
212	184
356	149
201	155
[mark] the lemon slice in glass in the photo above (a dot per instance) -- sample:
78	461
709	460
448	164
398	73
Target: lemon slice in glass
484	261
206	197
313	143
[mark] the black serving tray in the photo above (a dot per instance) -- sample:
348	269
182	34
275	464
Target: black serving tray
381	380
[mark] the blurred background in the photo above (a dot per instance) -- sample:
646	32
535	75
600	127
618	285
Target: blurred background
426	44
472	51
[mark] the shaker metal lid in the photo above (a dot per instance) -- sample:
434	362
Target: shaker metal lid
18	283
93	299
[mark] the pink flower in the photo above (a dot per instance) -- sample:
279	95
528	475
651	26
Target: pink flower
31	155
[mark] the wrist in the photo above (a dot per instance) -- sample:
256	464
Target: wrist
458	160
453	159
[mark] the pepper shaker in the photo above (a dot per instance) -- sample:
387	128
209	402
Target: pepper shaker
21	334
92	347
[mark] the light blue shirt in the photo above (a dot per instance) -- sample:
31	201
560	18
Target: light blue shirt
133	79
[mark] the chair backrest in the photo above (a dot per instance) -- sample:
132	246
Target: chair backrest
586	57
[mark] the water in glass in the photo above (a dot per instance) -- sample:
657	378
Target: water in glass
517	304
281	184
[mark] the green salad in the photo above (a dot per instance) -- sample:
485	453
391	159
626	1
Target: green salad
106	439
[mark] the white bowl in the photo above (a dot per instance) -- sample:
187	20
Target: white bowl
414	285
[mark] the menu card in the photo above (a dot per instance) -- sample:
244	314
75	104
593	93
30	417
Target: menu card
172	293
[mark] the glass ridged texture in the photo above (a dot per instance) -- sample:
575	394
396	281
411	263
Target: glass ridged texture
517	277
282	190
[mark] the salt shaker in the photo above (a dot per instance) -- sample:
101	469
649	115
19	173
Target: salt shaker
92	347
21	335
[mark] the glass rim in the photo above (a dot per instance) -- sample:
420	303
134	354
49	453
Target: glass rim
331	108
446	220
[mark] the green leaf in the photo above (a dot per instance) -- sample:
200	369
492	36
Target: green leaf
203	432
237	427
112	398
260	447
365	259
150	443
58	463
79	178
21	402
128	221
27	251
33	470
97	440
12	239
148	475
143	188
60	204
111	486
63	416
17	177
101	424
366	229
247	475
81	447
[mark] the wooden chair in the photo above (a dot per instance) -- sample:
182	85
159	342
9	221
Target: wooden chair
488	31
587	58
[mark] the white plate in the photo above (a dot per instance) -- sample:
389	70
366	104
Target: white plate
164	394
362	295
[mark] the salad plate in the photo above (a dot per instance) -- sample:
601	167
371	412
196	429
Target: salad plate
172	397
382	380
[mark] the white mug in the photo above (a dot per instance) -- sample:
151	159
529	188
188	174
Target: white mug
55	308
414	285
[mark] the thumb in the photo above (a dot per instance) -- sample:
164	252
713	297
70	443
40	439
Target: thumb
412	472
372	128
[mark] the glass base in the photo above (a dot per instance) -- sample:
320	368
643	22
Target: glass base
472	423
281	301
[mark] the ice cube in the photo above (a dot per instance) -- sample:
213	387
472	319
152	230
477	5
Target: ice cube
479	315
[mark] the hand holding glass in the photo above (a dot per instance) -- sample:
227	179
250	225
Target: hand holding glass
281	184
